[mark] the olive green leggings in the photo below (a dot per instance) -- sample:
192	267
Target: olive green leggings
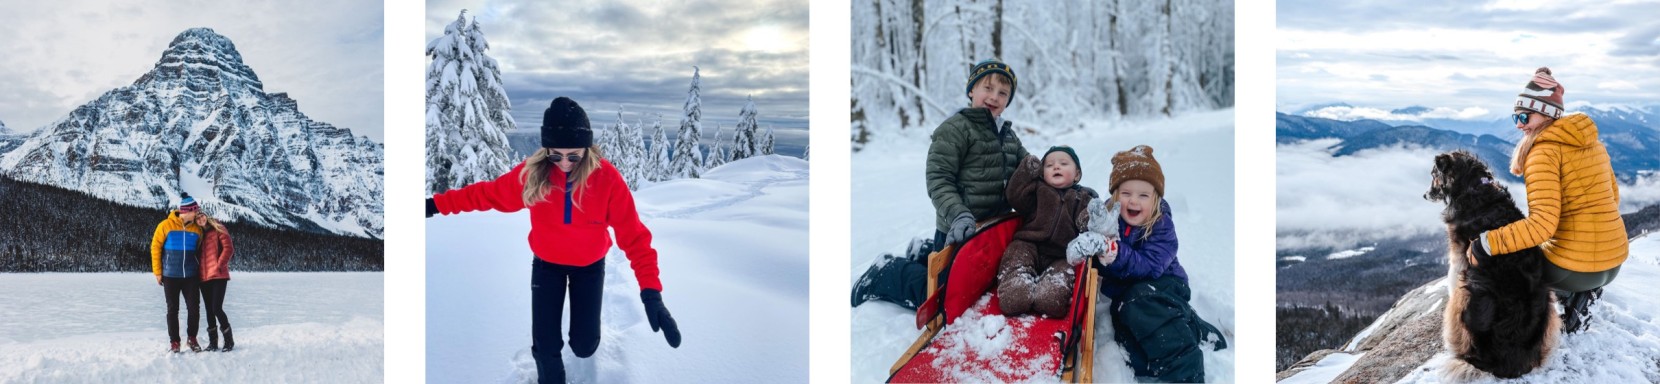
1566	281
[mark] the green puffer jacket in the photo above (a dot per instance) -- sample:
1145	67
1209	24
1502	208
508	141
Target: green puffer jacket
969	163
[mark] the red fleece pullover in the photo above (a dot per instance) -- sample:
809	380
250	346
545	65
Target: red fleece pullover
566	228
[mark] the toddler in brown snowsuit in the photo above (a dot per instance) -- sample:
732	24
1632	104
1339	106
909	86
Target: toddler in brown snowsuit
1035	274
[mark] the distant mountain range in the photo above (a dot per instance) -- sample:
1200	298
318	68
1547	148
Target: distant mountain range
1632	135
200	121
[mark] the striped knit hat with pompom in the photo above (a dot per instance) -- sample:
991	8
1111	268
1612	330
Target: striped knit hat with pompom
1542	94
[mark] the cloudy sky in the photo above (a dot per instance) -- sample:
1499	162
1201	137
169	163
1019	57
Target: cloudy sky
326	54
639	54
1467	59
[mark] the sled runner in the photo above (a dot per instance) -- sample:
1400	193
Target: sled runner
965	336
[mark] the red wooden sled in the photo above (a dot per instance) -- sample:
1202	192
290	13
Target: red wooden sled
989	346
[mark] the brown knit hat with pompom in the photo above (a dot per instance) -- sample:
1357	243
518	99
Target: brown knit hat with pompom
1137	164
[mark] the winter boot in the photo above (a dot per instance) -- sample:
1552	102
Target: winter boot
550	367
1576	310
193	346
229	343
213	340
895	280
174	348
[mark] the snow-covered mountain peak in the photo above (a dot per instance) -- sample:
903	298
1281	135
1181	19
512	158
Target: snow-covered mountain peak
205	61
200	122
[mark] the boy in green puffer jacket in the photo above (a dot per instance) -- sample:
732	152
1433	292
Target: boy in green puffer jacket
972	155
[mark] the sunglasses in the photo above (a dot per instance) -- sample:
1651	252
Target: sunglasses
1520	117
555	157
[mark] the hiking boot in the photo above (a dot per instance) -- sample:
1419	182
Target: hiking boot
174	348
193	346
1576	310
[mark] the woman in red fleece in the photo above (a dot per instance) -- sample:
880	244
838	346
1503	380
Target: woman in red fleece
216	274
574	195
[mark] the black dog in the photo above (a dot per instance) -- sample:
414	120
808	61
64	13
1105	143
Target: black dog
1499	317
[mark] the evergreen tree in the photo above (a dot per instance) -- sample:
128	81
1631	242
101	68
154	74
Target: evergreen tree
688	158
630	151
745	143
660	167
466	111
717	151
766	142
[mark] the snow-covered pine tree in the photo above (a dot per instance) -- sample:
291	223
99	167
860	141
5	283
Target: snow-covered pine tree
688	158
766	142
660	166
467	110
629	150
717	151
744	139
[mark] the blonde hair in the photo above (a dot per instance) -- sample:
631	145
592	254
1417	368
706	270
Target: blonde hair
1152	218
213	224
535	176
1518	159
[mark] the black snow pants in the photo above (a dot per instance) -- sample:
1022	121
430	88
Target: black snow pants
213	295
902	281
548	287
189	287
1154	323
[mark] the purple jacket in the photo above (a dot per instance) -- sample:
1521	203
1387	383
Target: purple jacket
1143	259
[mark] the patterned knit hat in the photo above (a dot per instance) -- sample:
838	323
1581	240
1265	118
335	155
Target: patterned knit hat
1542	94
987	67
565	125
1137	164
1069	152
187	203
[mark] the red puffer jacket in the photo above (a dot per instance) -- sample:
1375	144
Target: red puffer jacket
566	229
216	255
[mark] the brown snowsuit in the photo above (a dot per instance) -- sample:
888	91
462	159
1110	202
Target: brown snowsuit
1034	275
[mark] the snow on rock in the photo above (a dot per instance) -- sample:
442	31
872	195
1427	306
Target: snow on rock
1621	345
1349	253
106	328
891	207
201	122
732	250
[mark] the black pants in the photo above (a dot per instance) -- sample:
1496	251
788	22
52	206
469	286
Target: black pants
548	288
213	294
189	287
1154	323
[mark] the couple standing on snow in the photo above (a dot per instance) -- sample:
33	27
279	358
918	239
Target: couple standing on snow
190	255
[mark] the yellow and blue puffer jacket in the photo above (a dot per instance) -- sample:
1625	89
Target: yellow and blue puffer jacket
1573	201
175	249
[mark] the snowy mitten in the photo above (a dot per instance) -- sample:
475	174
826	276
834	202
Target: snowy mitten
1085	245
658	316
1111	254
1103	217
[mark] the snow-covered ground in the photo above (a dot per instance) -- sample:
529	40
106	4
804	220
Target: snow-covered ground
108	328
891	206
733	254
1622	344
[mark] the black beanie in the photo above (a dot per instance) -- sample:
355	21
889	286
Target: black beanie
565	125
1069	152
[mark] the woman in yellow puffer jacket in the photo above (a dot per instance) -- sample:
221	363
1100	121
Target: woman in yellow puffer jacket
1572	201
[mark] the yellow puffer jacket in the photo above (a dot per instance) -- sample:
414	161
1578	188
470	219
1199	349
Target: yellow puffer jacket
1572	201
